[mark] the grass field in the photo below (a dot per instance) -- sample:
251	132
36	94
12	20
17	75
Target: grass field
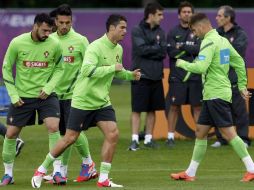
141	170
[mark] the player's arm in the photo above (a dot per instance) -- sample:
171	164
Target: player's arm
84	46
9	60
90	66
173	50
203	60
56	75
143	49
237	62
125	74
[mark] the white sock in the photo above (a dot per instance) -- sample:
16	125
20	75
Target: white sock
8	169
248	164
87	160
171	135
148	138
57	166
135	138
42	169
192	169
64	170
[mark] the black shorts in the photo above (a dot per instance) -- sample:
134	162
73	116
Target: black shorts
181	93
26	114
217	113
83	119
147	95
65	106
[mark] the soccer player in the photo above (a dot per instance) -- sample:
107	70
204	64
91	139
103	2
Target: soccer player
19	142
90	100
148	52
74	46
38	69
215	57
229	29
184	88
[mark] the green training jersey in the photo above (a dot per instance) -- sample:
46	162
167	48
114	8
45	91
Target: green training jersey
38	67
74	46
215	56
98	70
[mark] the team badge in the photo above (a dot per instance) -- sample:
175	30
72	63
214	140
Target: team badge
117	59
191	35
173	99
46	54
71	48
231	39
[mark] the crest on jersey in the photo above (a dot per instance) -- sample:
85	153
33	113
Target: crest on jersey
117	59
231	39
71	48
191	35
46	54
173	99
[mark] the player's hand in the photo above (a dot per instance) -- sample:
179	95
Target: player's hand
19	103
43	95
246	94
178	62
118	67
137	74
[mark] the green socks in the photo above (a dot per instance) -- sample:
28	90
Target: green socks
9	150
199	150
239	147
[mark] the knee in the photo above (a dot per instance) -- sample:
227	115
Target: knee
199	134
174	109
70	139
113	135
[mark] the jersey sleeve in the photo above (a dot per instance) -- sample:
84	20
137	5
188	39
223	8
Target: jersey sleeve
85	43
90	66
237	62
57	72
9	60
203	60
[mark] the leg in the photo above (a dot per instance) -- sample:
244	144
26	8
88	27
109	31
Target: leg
9	152
172	118
135	125
150	122
197	156
239	147
111	134
69	138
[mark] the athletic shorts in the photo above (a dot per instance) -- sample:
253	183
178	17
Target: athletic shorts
83	119
147	95
181	93
65	106
217	113
26	114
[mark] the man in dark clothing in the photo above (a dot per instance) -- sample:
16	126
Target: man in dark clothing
148	52
237	37
184	88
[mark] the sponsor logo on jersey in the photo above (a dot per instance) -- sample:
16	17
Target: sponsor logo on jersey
68	59
71	48
46	54
39	64
201	57
178	36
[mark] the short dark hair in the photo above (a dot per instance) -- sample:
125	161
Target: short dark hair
114	19
151	8
185	4
197	17
64	10
43	17
229	12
